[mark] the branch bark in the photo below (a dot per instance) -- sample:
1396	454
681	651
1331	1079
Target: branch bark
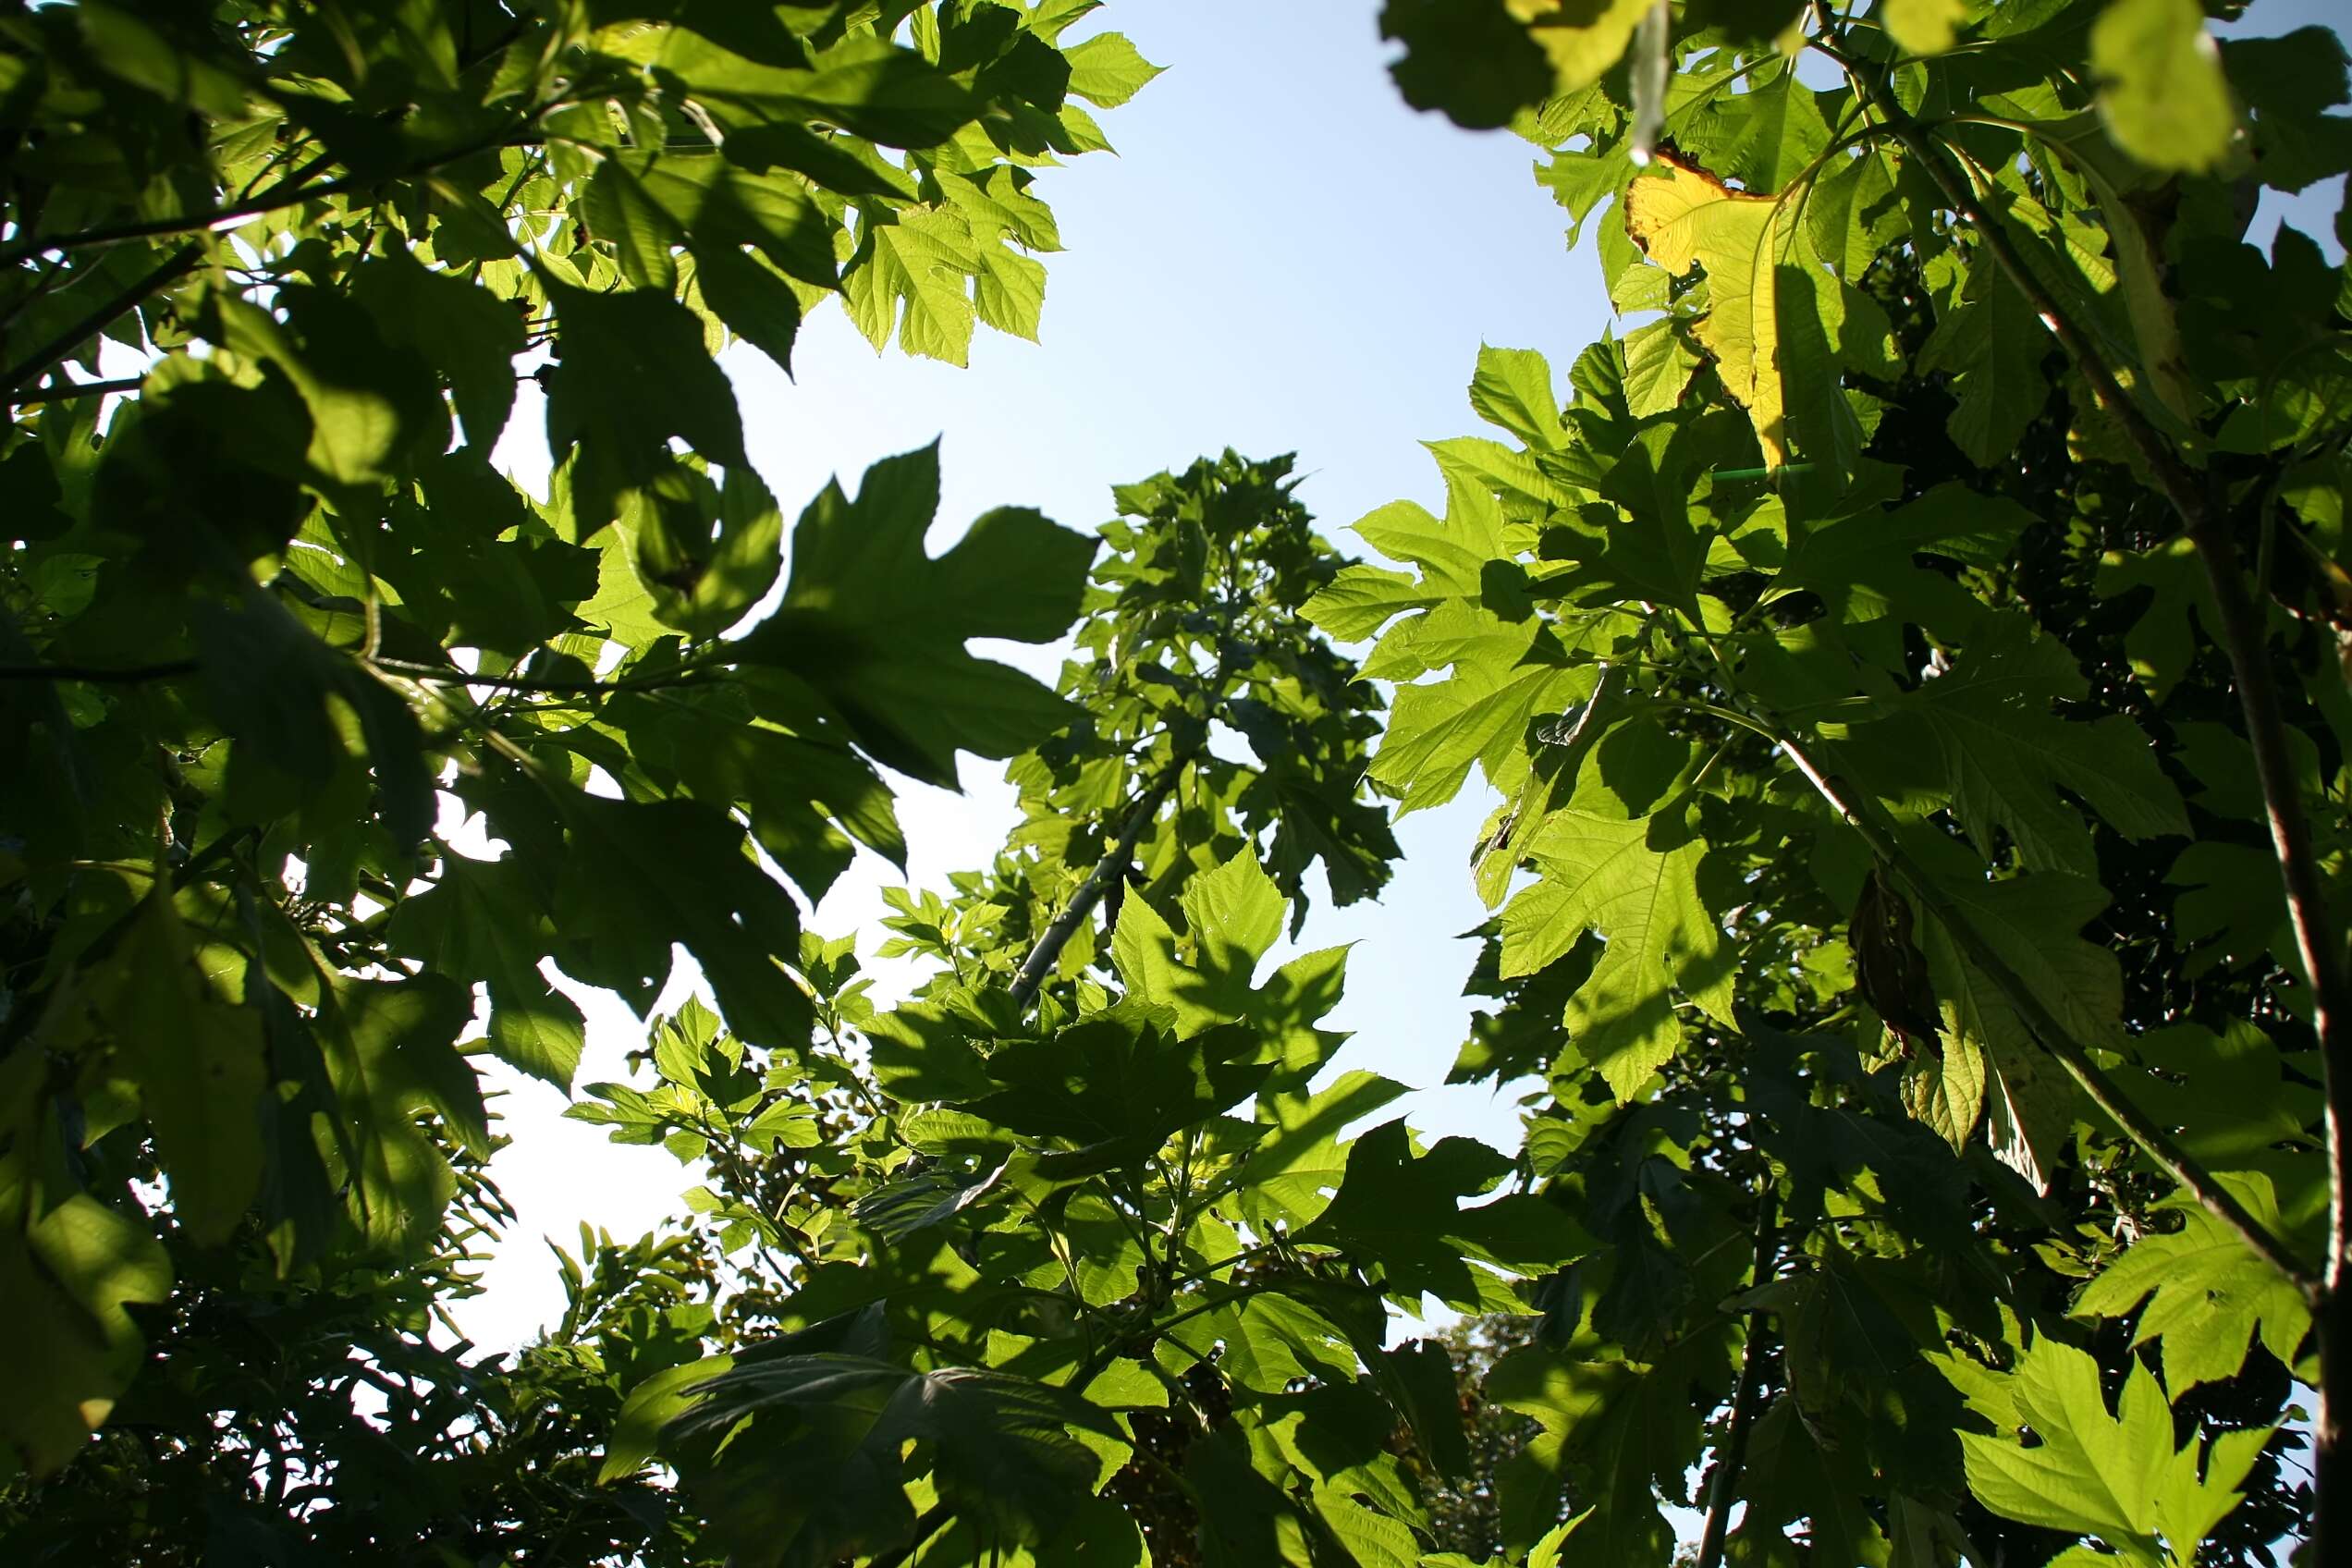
1113	865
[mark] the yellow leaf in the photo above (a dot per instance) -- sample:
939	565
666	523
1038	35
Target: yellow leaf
1681	215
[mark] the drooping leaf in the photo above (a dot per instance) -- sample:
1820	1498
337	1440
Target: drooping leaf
480	921
193	1060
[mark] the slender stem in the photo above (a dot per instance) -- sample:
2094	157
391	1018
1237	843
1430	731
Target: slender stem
58	392
36	364
291	192
1724	1485
2055	1038
1048	952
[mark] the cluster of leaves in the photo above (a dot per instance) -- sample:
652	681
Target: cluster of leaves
1923	1067
1105	1283
1884	905
285	660
1208	712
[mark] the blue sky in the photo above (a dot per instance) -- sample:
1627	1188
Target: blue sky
1283	257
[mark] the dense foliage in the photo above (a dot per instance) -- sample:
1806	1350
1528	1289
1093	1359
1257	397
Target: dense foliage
1886	731
1909	667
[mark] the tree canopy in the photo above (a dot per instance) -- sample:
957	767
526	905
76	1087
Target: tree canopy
1909	667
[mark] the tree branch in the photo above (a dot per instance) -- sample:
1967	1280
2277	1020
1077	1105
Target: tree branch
291	192
61	392
1042	957
2157	1143
36	364
1723	1489
405	669
2244	637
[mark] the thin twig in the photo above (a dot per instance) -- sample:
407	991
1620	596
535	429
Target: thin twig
36	364
61	392
291	192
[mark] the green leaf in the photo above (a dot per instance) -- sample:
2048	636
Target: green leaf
1635	883
1512	388
69	1266
1473	60
1361	599
1287	1175
273	684
876	626
1924	26
1401	1211
1418	1381
920	262
638	877
484	920
1994	344
373	407
1438	731
1617	1428
1119	1078
1105	69
1659	362
814	1450
794	791
389	1053
2115	1476
2005	757
195	1060
2163	642
2208	1295
466	333
706	554
1792	1475
1245	1521
2161	85
610	349
865	85
2232	1107
2034	923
